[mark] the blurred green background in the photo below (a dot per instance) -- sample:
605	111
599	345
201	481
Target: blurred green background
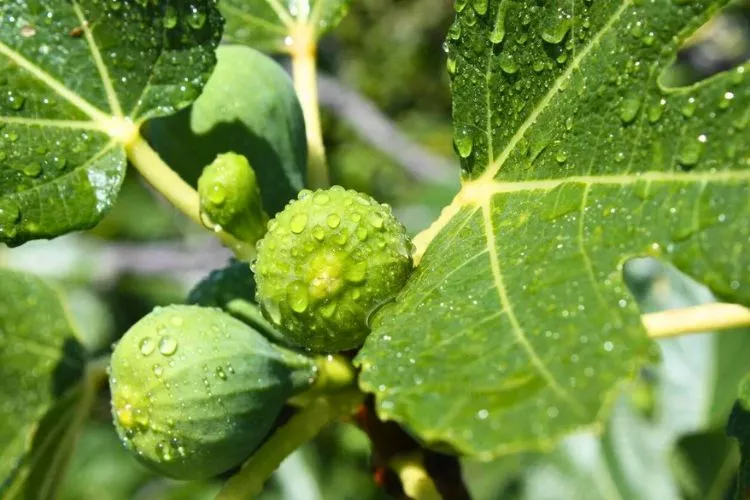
386	110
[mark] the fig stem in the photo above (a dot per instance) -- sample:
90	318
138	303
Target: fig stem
250	313
702	318
178	192
304	73
301	428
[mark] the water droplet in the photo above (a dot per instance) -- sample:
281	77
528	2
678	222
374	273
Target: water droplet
217	195
479	6
376	220
555	31
629	109
170	17
318	233
298	223
321	198
726	100
692	151
196	17
32	169
498	31
328	309
158	370
167	346
297	297
14	100
220	373
164	452
333	221
146	346
688	108
657	110
508	63
357	273
464	142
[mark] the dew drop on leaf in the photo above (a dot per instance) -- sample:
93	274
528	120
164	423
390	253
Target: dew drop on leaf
196	17
480	6
629	109
691	152
656	110
555	30
170	17
464	143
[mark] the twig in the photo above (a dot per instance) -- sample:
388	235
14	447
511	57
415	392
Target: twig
702	318
380	132
304	426
415	480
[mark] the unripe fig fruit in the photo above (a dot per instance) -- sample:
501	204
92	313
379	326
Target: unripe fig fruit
230	197
328	260
194	391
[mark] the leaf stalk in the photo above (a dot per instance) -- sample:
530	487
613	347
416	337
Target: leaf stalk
304	50
696	319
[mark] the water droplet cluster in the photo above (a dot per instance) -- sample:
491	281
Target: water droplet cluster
194	390
587	85
328	260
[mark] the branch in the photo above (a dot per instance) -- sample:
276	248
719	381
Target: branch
380	132
696	319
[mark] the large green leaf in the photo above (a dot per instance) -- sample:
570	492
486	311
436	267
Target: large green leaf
52	446
517	328
76	79
271	24
40	358
249	107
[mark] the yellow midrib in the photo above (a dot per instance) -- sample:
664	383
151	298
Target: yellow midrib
478	192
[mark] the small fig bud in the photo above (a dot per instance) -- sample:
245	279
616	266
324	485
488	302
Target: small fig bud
230	198
194	391
328	260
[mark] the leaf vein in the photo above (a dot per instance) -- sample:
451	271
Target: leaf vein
114	103
508	307
551	93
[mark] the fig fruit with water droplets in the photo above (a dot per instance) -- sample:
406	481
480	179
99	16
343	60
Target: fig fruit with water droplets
195	391
230	198
328	260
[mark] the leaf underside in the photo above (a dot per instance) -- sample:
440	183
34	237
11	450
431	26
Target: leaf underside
70	72
40	358
270	24
517	328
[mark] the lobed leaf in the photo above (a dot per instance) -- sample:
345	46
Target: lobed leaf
270	25
517	327
77	78
40	359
